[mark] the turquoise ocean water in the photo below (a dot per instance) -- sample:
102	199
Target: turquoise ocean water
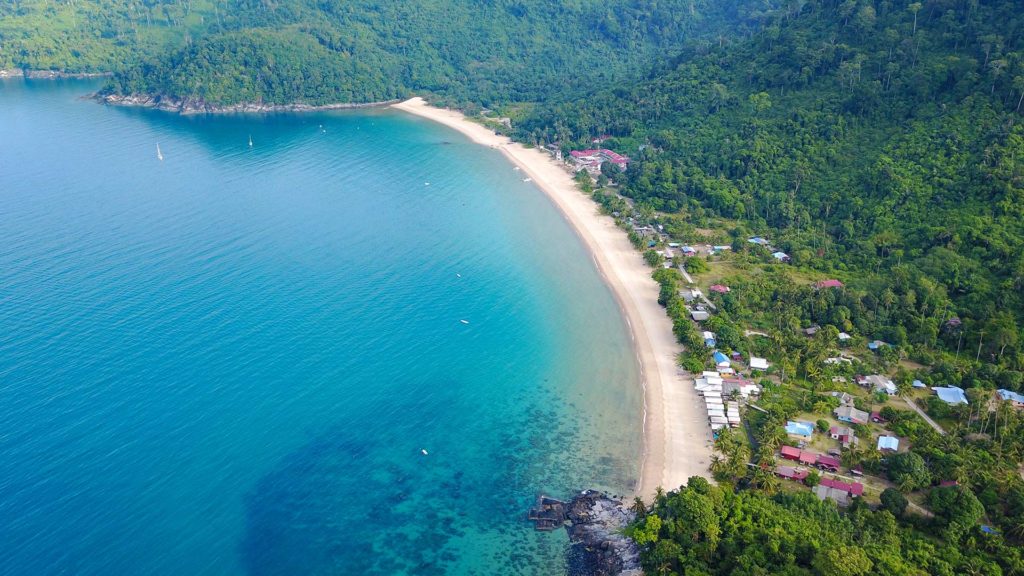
229	362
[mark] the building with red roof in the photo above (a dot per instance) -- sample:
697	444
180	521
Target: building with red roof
851	488
808	458
591	160
790	453
791	473
830	463
831	283
719	288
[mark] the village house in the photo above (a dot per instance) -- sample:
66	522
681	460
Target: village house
888	444
1017	400
790	453
831	283
851	415
719	288
951	394
780	256
758	363
807	458
878	383
877	345
699	315
838	491
709	339
844	398
844	434
802	430
827	463
739	386
690	294
791	473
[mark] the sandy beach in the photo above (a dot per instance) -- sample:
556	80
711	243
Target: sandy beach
677	438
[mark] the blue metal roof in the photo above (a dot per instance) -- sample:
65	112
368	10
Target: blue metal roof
888	443
720	358
951	394
1010	395
800	428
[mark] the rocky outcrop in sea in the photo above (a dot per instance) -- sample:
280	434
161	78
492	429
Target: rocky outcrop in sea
197	106
595	522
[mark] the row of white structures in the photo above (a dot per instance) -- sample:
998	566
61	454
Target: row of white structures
720	413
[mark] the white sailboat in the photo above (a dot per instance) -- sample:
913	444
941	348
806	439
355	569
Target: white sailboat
159	154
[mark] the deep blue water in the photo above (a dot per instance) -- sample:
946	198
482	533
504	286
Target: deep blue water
228	362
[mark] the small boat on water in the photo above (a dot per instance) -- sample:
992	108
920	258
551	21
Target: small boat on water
250	140
426	183
457	275
516	168
424	451
464	321
527	179
159	154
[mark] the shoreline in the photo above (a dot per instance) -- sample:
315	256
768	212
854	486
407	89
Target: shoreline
49	74
188	107
676	436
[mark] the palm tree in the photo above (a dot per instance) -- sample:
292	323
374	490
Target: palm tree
638	507
767	481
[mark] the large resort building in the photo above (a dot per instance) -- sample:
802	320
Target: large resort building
591	160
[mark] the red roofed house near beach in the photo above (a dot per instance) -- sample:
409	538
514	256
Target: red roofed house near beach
591	160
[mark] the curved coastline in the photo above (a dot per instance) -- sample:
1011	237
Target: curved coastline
677	439
187	106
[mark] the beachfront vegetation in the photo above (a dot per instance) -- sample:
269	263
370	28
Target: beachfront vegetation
874	142
714	530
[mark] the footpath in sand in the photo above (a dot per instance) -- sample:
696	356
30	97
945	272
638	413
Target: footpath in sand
677	438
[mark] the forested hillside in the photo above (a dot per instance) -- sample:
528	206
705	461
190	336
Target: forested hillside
880	141
98	35
458	50
462	51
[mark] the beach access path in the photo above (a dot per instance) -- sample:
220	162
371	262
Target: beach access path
677	437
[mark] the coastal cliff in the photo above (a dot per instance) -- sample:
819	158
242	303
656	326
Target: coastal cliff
595	523
198	106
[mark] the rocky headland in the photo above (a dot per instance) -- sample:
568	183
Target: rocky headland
595	523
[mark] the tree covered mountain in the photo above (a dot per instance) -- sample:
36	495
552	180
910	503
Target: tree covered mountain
880	141
465	51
